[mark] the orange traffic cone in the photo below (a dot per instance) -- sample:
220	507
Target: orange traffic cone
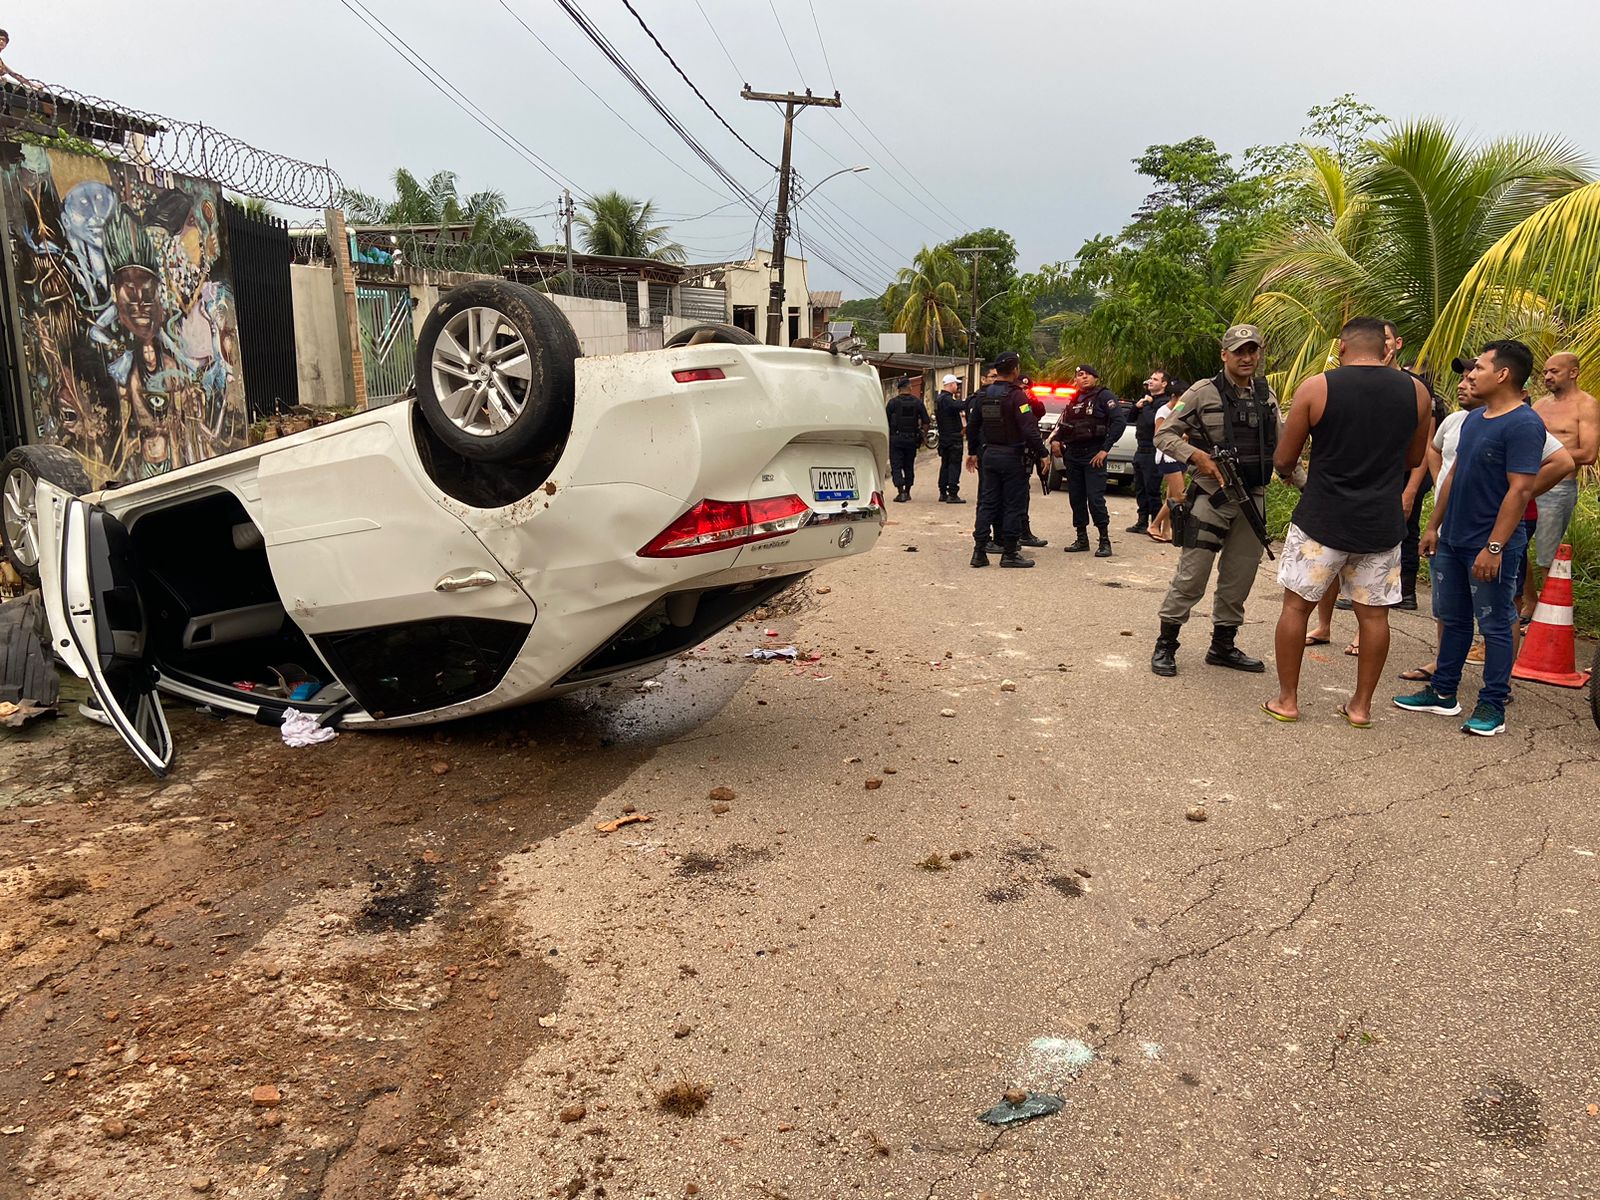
1547	648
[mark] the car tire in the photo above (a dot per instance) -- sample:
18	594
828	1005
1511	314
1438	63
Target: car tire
1594	688
20	472
699	335
495	372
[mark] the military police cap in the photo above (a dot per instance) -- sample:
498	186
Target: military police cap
1007	360
1240	335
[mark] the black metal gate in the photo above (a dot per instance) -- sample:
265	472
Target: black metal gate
260	252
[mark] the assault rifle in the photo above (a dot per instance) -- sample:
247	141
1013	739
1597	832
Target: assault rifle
1233	487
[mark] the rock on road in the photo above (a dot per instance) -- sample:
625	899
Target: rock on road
1371	970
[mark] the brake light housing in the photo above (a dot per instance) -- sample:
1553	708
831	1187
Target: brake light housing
713	525
698	375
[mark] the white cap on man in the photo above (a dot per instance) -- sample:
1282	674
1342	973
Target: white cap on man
950	379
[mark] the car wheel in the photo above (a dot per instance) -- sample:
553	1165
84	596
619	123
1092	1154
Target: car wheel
698	335
1594	689
495	372
20	473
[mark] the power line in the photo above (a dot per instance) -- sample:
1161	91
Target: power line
817	25
566	66
455	95
785	36
709	107
720	42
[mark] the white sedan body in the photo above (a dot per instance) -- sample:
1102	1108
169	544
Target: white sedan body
360	539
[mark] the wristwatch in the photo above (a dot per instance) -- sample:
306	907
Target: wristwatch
1495	547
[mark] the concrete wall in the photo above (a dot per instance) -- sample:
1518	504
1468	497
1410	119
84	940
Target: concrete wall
601	325
322	368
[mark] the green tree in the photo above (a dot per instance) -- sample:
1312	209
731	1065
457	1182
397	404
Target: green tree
922	303
1005	316
491	240
622	227
1401	228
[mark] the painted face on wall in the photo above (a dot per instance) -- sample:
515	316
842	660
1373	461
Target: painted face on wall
85	209
137	295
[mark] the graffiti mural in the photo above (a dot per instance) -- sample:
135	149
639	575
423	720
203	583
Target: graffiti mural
126	310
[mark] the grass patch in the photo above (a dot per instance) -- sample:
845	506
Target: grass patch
684	1097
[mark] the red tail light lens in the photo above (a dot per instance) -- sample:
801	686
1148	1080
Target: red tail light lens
1066	391
719	524
699	375
1040	389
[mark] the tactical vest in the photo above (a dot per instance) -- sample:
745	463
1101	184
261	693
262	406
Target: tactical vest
1250	427
907	416
998	413
1083	420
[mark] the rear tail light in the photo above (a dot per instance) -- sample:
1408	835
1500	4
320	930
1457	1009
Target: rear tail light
877	500
718	524
699	375
1066	391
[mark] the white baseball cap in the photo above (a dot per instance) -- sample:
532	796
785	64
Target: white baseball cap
950	379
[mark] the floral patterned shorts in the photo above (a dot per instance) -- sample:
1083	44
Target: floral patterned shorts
1308	568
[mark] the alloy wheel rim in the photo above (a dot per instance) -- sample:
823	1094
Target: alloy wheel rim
482	372
19	505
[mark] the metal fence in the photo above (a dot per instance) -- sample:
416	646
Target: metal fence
388	340
258	246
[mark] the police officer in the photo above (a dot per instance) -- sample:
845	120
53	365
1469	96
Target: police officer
1239	412
1086	430
908	421
949	412
1006	438
974	415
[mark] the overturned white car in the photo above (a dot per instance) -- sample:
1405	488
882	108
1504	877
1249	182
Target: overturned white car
532	522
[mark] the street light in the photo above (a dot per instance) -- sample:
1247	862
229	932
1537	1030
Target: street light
825	178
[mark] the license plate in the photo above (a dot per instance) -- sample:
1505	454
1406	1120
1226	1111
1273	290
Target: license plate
834	483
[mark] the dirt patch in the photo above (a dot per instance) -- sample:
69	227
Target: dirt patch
1069	886
323	925
698	864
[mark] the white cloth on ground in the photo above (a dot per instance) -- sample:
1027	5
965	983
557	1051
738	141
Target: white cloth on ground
301	729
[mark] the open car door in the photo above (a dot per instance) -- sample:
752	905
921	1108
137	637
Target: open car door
88	577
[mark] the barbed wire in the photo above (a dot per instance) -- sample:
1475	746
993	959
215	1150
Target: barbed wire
150	140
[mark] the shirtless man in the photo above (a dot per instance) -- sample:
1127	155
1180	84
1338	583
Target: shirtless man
1573	418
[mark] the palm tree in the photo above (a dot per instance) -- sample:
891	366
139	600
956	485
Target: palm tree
1398	233
492	240
922	301
619	226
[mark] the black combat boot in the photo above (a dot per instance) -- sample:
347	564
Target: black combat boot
1165	660
1224	653
1031	542
1080	545
902	495
1104	549
979	557
993	547
1139	526
1012	557
955	498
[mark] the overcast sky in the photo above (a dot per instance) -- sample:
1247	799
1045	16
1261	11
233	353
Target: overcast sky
1003	112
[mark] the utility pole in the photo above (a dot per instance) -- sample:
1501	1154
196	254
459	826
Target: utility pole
977	253
780	223
567	211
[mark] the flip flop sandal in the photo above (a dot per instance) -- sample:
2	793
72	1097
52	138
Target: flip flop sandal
1353	650
1351	721
1416	675
1316	641
1266	707
1166	541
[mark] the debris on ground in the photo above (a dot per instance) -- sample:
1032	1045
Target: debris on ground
947	712
625	819
683	1098
29	685
1031	1106
301	729
1196	812
874	784
764	654
720	793
1007	685
15	716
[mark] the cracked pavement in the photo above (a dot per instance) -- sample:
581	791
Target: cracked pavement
1371	971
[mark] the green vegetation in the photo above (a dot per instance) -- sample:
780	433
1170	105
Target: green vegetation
491	240
620	226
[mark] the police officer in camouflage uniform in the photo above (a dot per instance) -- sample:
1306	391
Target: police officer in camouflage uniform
1237	411
908	421
1005	437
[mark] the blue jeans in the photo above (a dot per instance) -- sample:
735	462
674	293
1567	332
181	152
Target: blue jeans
1458	600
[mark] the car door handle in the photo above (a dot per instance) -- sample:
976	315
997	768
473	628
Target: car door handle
462	583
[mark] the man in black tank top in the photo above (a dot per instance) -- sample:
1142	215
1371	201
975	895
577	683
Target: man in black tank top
1369	426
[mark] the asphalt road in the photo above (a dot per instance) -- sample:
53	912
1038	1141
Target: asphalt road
1371	971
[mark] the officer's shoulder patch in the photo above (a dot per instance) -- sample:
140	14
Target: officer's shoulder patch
1022	408
1177	408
